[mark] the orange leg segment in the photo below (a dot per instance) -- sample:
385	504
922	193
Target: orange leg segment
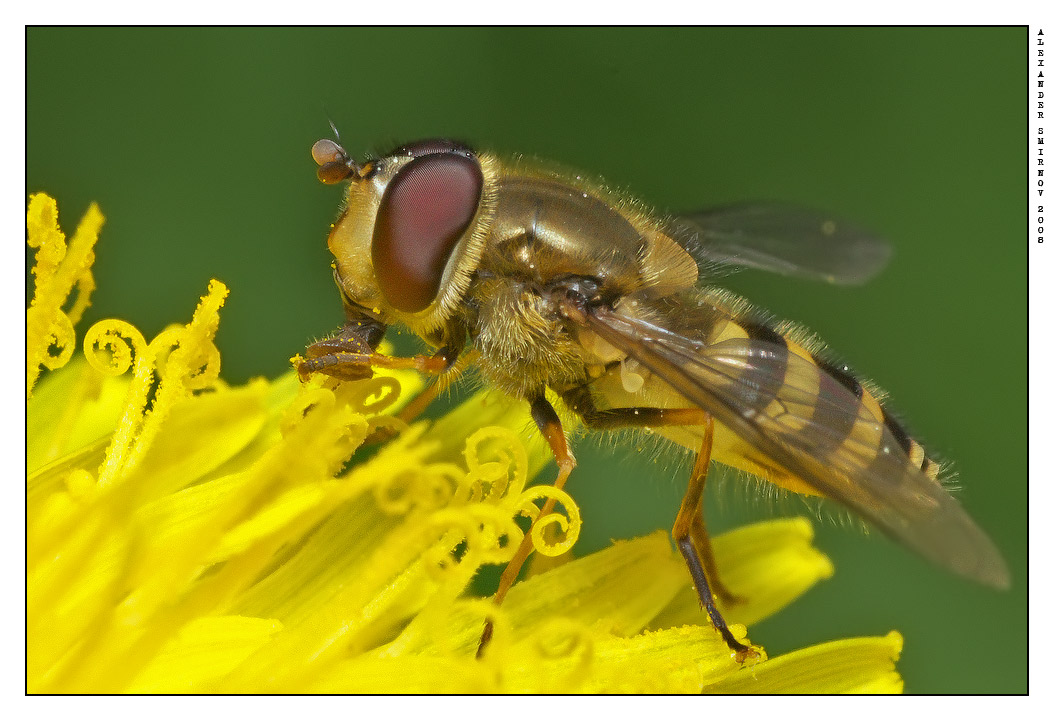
689	530
350	355
689	517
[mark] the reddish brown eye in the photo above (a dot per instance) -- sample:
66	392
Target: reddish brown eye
431	146
425	210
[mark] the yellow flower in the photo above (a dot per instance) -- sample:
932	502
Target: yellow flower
188	536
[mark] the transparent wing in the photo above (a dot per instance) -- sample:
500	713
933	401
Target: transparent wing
783	239
800	417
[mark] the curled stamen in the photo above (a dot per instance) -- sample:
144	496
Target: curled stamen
307	400
373	395
569	645
437	484
182	359
417	488
472	535
191	365
84	287
194	361
58	270
62	337
562	638
395	494
120	338
493	474
570	526
394	426
304	403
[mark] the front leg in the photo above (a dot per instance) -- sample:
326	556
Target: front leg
351	354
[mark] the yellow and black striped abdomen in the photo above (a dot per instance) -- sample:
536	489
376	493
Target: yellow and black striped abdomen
783	410
871	406
784	378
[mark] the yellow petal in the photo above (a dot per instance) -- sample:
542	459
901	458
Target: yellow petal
201	434
70	408
852	665
617	590
676	660
204	650
405	675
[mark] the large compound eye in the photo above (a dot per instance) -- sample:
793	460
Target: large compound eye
425	210
432	146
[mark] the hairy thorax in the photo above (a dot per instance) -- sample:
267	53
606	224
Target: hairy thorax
523	344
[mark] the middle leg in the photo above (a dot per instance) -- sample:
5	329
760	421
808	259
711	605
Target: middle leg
687	518
689	531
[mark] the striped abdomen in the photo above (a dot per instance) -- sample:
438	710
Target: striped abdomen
783	378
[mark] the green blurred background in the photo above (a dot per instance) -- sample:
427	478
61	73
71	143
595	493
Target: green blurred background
195	144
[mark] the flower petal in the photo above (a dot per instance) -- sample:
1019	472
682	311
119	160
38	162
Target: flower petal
204	650
852	665
70	408
676	660
201	434
616	590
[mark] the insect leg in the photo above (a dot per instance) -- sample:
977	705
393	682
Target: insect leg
687	516
350	355
553	431
689	530
582	403
701	539
424	399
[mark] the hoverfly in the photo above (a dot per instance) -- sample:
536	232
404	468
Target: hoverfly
562	283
